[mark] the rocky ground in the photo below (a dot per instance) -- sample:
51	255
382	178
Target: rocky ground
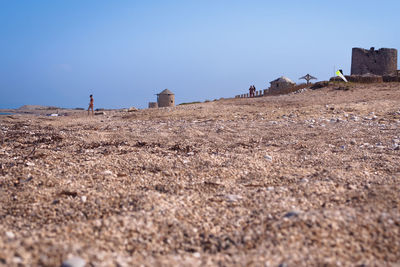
304	179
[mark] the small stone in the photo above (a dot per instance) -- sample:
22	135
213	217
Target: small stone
304	180
74	262
107	172
396	147
365	145
10	235
268	157
291	214
30	164
233	198
83	198
353	142
352	187
17	260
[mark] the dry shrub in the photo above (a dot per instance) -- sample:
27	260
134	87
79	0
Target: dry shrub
320	85
388	78
359	79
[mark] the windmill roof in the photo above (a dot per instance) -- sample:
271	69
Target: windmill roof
166	92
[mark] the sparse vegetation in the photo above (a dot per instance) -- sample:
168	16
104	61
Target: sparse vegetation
189	103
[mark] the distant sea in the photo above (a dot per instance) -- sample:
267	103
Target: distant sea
6	113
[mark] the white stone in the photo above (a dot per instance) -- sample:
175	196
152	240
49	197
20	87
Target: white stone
10	235
268	157
107	172
196	255
233	198
74	262
304	180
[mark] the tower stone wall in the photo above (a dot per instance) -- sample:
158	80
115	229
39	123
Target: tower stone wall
378	62
166	101
153	105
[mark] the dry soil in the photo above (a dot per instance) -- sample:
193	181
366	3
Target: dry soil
304	179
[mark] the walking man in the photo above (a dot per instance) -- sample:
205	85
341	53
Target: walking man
90	105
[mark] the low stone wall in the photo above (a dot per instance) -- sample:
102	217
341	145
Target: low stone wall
266	92
367	79
391	79
287	90
153	105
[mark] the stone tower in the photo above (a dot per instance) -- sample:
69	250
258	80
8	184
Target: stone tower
378	62
166	99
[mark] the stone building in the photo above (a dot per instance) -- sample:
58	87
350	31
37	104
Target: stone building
166	99
378	62
280	84
153	105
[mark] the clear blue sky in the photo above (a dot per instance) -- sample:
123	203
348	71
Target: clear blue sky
124	52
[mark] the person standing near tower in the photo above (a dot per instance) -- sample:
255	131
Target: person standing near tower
90	105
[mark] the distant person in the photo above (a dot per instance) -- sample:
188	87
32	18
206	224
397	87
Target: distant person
251	91
90	105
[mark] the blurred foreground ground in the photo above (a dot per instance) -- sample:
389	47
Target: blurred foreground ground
302	179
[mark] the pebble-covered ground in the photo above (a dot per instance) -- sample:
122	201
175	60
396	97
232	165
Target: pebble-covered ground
304	179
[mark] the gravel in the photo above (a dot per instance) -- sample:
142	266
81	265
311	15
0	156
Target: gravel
233	182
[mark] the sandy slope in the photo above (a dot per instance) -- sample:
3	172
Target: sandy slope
305	179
